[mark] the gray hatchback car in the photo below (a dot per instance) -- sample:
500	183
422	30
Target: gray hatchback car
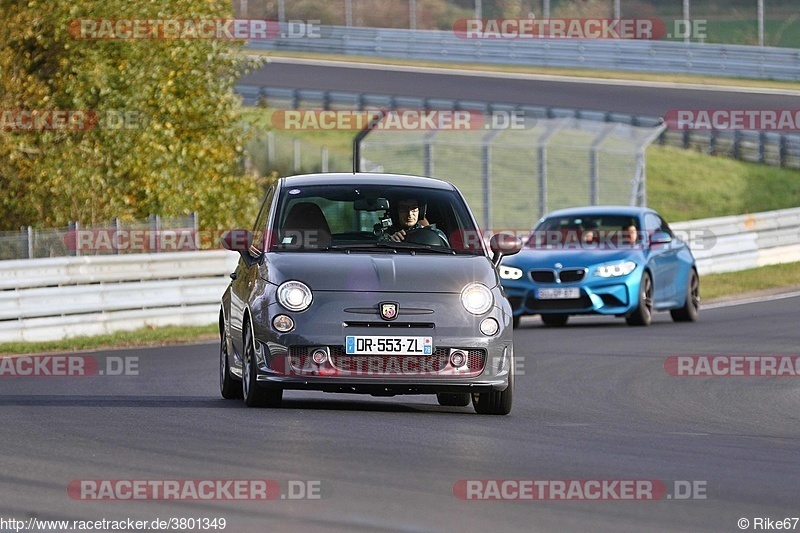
327	297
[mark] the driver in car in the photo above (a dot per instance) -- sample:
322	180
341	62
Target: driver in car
409	219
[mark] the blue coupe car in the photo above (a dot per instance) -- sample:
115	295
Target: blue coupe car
620	261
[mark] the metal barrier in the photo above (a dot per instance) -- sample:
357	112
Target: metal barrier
54	298
771	148
738	61
47	299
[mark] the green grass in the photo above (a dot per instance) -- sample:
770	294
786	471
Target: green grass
768	277
687	185
122	339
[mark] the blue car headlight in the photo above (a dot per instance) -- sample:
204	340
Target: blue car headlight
507	272
613	270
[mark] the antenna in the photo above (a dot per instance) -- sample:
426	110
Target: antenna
374	121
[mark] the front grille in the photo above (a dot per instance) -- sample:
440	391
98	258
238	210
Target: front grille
387	365
543	276
534	304
571	275
393	325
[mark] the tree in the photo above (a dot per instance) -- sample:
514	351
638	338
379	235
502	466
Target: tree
162	134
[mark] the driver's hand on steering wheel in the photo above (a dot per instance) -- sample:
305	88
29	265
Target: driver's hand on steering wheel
399	236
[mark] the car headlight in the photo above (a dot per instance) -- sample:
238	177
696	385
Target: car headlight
477	298
294	296
613	270
507	272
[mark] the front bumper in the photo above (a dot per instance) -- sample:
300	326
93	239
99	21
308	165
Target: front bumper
602	296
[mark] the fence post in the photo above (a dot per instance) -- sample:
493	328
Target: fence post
296	150
737	141
486	172
762	140
271	147
155	224
324	159
74	227
26	246
783	150
427	153
115	221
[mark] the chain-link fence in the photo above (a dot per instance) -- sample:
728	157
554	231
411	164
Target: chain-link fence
511	177
153	234
750	22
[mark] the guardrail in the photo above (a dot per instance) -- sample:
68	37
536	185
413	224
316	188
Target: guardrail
741	242
771	148
54	298
637	55
47	299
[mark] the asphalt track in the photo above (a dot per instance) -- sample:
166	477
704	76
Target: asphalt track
593	401
651	99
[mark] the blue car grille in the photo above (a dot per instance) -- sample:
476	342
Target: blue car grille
534	304
568	275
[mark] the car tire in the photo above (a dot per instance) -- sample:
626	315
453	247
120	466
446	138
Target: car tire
515	321
455	399
555	320
228	387
691	308
495	402
255	395
643	314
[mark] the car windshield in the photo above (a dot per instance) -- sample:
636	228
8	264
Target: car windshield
353	218
581	231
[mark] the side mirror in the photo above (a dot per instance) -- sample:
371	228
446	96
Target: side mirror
503	244
237	240
660	237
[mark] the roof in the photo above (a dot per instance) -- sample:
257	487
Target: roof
367	178
624	210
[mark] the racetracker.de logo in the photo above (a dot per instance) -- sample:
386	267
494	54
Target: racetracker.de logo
68	366
174	29
732	365
559	28
396	120
197	489
579	489
733	119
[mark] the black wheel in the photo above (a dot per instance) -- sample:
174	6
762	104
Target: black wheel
555	320
254	395
643	314
228	387
495	402
690	309
455	399
515	321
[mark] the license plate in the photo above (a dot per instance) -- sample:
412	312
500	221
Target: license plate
559	294
364	345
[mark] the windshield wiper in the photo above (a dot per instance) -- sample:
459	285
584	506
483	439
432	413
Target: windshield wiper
393	246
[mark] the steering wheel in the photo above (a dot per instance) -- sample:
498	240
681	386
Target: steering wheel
426	236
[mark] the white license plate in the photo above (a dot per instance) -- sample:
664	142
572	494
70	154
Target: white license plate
559	294
364	345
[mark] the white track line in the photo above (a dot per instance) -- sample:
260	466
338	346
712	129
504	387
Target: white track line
757	300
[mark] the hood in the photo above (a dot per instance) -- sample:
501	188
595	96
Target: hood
364	272
547	258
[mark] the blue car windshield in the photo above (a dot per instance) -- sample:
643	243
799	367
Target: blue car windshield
575	232
340	216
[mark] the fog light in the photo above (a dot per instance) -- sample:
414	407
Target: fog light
458	358
490	327
283	323
319	356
